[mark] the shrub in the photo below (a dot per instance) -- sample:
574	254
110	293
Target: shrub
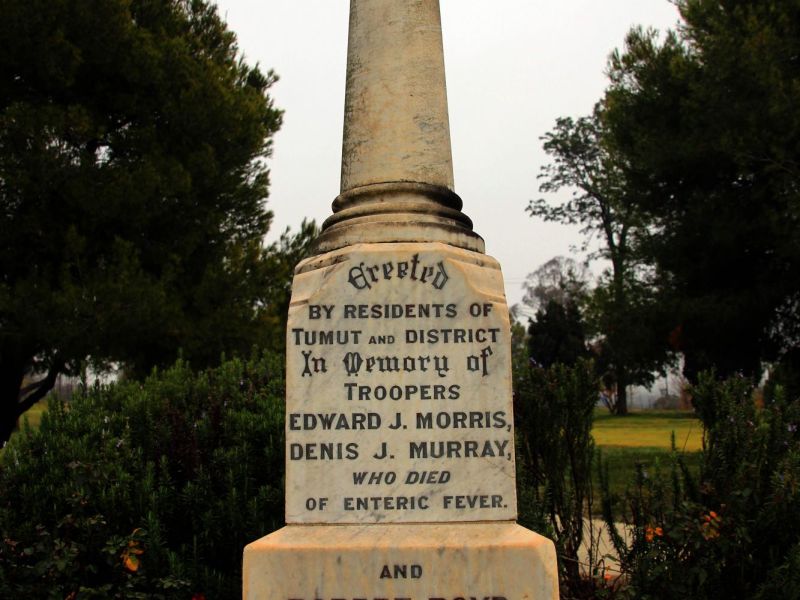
554	413
733	531
145	489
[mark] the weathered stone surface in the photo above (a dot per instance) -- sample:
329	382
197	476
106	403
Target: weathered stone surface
397	171
485	561
398	212
396	123
399	400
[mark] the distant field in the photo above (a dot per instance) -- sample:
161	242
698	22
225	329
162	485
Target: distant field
649	428
644	438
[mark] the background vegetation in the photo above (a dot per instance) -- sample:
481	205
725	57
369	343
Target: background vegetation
132	193
684	178
723	521
145	490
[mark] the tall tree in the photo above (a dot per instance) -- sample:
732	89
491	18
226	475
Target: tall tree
707	121
586	165
132	189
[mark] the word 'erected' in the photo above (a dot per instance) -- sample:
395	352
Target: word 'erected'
365	276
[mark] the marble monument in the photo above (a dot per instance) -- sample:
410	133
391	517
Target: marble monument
400	478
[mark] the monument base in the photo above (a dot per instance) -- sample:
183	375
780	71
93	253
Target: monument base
447	561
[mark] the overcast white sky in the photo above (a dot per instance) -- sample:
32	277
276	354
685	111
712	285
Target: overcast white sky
513	67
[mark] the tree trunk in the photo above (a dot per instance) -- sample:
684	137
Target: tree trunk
620	314
15	400
12	373
621	406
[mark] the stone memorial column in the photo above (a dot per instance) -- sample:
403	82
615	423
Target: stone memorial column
400	479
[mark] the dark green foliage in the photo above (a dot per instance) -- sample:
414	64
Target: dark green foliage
784	377
145	490
687	170
557	335
132	189
707	123
553	413
783	581
727	532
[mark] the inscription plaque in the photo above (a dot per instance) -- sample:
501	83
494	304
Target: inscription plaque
398	388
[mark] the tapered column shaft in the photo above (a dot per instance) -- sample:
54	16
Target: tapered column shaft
397	172
395	115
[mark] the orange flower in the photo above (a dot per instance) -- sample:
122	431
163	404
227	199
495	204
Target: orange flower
130	556
130	561
650	533
710	527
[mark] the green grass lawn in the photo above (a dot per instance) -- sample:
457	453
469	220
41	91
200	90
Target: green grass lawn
648	428
644	438
34	415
